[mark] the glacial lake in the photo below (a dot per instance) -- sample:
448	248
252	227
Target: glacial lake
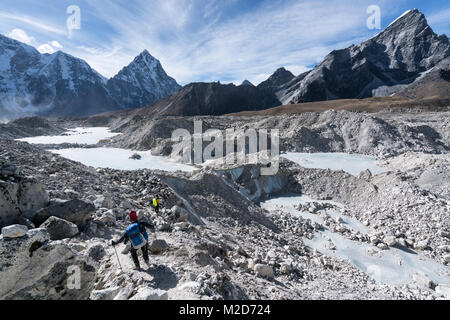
350	163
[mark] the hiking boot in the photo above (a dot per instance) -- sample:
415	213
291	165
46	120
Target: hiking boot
137	268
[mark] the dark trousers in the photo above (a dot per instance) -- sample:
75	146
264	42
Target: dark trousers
134	255
157	209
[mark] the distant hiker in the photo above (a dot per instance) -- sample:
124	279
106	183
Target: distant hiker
156	202
137	233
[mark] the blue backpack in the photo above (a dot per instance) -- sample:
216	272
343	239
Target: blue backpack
138	239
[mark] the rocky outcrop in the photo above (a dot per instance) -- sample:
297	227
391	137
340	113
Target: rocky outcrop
32	267
59	228
18	194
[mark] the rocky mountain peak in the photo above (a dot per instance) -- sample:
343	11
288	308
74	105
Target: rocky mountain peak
141	83
247	83
279	77
383	64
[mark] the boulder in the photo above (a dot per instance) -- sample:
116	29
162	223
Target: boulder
150	294
125	292
180	213
391	241
59	228
34	268
285	268
75	211
365	175
107	218
263	270
158	246
421	245
447	258
14	231
136	156
104	202
18	197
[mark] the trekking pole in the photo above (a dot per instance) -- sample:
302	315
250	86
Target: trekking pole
118	260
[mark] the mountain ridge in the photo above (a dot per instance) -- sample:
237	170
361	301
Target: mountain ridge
60	84
395	56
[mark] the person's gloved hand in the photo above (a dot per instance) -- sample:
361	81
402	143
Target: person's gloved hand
113	243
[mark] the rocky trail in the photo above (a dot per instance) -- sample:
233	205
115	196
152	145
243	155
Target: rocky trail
227	232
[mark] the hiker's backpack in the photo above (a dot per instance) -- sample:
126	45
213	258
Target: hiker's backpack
138	239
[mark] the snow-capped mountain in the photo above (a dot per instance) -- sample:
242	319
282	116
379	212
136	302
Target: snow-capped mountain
61	85
382	65
141	83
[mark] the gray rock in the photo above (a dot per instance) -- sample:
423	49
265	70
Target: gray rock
136	156
391	241
421	245
180	213
104	294
96	252
76	211
447	258
263	270
14	231
59	228
104	202
18	197
150	294
33	268
125	292
158	246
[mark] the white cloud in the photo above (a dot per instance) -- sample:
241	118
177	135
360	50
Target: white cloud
213	40
50	48
46	48
56	45
33	22
194	44
22	36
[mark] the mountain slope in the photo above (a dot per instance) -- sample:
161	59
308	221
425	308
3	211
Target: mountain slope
435	83
395	57
61	85
213	99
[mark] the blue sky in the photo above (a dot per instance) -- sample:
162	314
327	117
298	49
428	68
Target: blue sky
206	40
